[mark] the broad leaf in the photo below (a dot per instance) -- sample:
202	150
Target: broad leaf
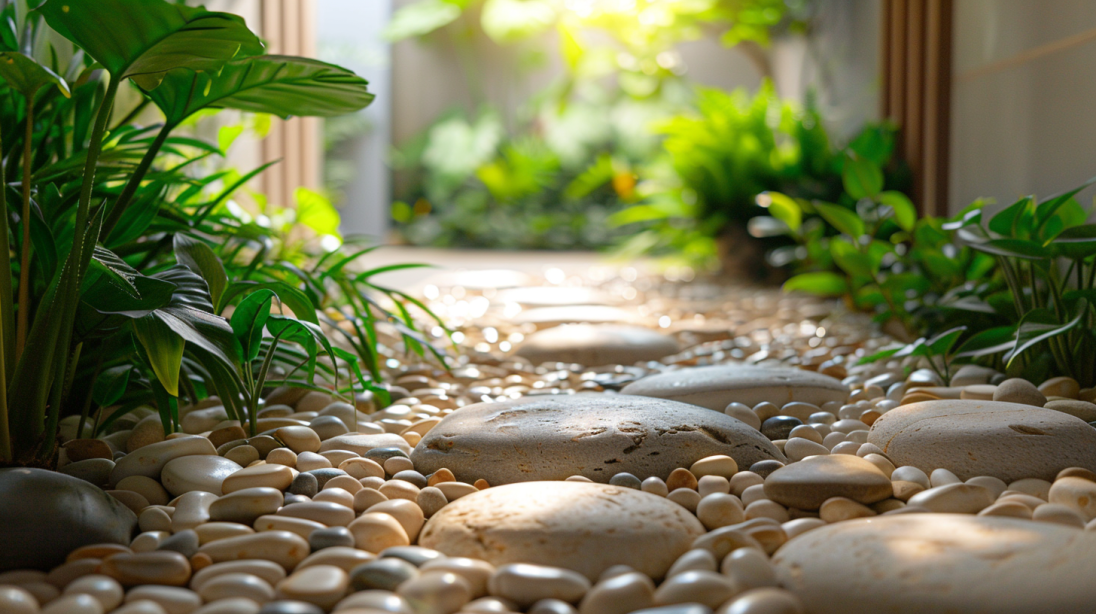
1014	221
1038	325
942	344
111	385
988	342
783	208
143	39
26	76
851	260
1013	248
291	297
279	85
1076	243
164	347
822	284
862	178
419	18
199	257
249	319
905	214
844	220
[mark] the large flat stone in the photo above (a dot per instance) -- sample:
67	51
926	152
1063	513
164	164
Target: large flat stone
594	435
44	515
717	386
972	438
917	563
592	345
579	526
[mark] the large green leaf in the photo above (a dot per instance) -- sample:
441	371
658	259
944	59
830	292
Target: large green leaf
862	178
1039	325
249	319
143	39
1076	243
988	342
822	284
164	347
199	257
26	76
422	17
842	219
280	85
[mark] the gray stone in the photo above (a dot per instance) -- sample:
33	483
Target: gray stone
1008	441
184	542
331	537
305	484
290	607
594	345
584	527
716	387
779	427
914	563
416	555
94	470
593	435
323	475
44	515
362	444
382	574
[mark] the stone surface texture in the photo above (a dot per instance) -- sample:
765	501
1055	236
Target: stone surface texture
716	387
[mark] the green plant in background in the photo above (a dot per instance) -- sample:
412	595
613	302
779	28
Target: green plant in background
135	253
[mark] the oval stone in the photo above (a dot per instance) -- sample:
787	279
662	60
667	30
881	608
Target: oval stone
204	473
583	527
1008	441
595	436
593	345
715	387
149	460
914	563
807	484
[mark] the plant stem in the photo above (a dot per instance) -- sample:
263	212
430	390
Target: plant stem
135	181
24	261
7	315
5	434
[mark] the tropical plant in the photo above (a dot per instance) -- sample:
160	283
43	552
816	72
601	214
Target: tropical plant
118	290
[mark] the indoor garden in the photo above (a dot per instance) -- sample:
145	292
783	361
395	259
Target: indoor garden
546	307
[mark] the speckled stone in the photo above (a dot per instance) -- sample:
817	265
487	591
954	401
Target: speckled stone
1008	441
915	563
716	387
596	436
583	527
593	345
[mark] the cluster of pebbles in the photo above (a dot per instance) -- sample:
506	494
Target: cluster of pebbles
735	460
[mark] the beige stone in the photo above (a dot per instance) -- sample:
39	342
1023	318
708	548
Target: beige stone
278	477
149	460
717	386
438	591
321	585
525	584
807	484
269	572
228	585
703	587
954	499
281	547
374	532
203	473
1078	494
244	506
362	443
594	345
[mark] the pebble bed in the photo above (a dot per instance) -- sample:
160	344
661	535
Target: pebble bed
326	510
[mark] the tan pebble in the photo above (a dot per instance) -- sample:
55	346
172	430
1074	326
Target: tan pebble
397	464
282	456
399	489
749	568
704	587
212	531
754	493
95	551
799	448
441	475
278	477
437	592
806	431
63	574
372	482
481	484
722	542
159	567
743	480
655	486
199	561
407	513
1016	497
681	478
74	604
366	498
713	484
455	490
869	448
1032	486
297	526
744	414
270	572
994	485
376	602
767	532
135	502
882	463
621	594
243	455
374	532
310	461
245	505
324	512
474	571
693	560
191	510
148	431
1059	514
150	460
148	541
1017	390
172	599
911	474
105	589
838	509
299	438
1076	472
579	478
431	500
526	584
954	499
686	498
232	605
338	457
799	526
344	482
229	585
978	392
340	556
720	510
336	495
719	465
154	519
359	468
320	585
1008	509
767	509
1078	494
313	401
764	601
43	592
904	490
15	600
943	477
281	547
219	437
1061	387
887	505
145	486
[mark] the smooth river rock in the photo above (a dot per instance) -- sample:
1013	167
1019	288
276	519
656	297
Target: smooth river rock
593	435
44	515
916	563
149	460
203	472
1008	441
592	345
579	526
717	386
361	444
807	484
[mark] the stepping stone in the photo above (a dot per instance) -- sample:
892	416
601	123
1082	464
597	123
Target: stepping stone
46	515
595	345
483	279
583	527
593	435
1008	441
554	296
544	317
914	563
717	386
807	484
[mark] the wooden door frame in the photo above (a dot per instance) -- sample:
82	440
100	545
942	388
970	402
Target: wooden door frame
916	83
